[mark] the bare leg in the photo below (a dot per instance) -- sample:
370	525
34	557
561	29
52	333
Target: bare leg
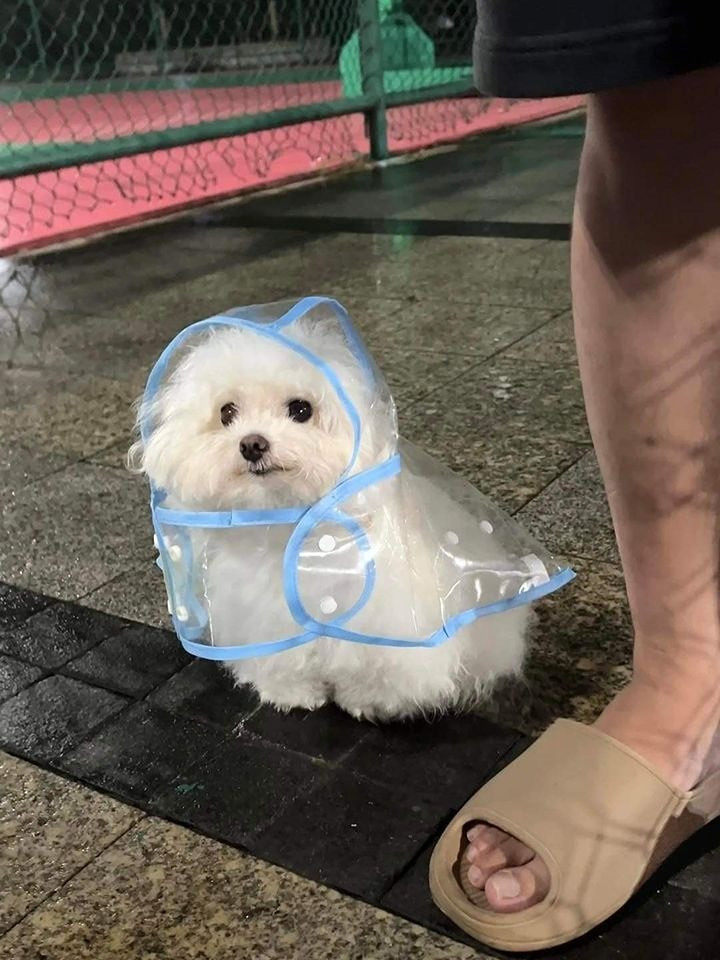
646	292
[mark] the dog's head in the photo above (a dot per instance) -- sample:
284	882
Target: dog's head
244	422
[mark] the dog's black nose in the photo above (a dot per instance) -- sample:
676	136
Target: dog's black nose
253	447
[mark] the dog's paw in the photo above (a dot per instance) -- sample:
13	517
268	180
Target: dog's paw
295	700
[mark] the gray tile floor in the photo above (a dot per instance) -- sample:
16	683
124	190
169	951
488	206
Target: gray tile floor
474	336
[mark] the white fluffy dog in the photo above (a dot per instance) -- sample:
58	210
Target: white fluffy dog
241	423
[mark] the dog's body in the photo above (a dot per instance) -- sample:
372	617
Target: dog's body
239	425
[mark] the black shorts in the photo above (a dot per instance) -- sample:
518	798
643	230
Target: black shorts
546	48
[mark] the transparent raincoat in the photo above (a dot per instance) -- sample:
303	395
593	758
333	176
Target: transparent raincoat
400	552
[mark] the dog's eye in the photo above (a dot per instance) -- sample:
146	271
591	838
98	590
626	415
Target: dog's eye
300	410
228	412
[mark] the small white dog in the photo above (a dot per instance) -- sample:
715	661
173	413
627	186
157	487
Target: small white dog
241	423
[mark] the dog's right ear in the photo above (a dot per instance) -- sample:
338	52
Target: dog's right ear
134	460
135	457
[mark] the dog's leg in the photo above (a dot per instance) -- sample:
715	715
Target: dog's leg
283	683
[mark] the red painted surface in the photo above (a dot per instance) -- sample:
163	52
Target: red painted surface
44	208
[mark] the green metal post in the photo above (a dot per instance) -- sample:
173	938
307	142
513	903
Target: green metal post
37	35
371	64
159	29
300	27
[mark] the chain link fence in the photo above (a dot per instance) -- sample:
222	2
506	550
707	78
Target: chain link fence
111	112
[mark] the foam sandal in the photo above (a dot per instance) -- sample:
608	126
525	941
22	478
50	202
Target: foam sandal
601	818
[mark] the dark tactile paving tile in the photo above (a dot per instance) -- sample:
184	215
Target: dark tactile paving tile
409	894
661	923
443	762
238	790
16	605
573	515
58	633
328	733
656	925
53	715
131	662
410	897
140	752
696	867
15	676
205	691
350	833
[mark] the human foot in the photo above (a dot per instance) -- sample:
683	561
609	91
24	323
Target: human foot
679	736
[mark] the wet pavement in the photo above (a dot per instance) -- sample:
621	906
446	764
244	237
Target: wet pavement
455	269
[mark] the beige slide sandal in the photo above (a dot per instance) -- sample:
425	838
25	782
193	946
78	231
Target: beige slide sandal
601	818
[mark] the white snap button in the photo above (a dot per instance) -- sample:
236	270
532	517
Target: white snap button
182	614
486	526
452	538
175	552
328	605
327	543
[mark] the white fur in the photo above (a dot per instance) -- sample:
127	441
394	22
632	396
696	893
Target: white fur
197	461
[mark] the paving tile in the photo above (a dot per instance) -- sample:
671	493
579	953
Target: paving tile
522	397
328	734
55	635
49	418
53	715
236	791
20	463
112	456
205	691
580	652
131	662
415	323
510	433
17	605
139	753
50	829
470	270
443	761
15	676
573	515
553	343
72	532
164	312
162	891
110	273
412	375
139	594
350	833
